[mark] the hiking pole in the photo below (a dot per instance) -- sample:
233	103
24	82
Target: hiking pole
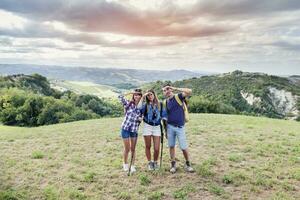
162	142
131	159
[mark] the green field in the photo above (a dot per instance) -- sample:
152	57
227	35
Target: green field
235	157
81	87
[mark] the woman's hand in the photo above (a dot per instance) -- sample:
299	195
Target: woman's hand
145	94
129	93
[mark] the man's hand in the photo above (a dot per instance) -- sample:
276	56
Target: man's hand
186	92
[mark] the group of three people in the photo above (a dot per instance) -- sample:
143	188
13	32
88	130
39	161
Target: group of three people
147	108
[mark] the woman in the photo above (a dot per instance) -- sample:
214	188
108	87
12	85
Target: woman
130	126
151	107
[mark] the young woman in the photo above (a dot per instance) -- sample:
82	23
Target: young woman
150	108
130	126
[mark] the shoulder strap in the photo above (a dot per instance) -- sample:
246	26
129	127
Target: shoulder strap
146	110
164	104
178	100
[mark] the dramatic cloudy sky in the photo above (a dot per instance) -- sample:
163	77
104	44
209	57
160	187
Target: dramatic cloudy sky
204	35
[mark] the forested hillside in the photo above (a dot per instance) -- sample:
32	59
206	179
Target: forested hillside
242	93
28	100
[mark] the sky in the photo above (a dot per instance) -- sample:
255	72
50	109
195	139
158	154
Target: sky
198	35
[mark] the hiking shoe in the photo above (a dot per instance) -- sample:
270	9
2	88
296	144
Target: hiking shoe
125	167
173	169
155	165
151	166
132	169
189	169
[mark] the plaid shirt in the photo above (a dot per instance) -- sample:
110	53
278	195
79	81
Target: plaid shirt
131	121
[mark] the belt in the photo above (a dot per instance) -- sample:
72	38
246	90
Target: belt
176	126
151	123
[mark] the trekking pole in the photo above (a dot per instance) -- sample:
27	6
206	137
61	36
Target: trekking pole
162	143
131	159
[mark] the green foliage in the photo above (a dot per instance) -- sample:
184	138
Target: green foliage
144	179
205	170
215	189
156	195
89	177
29	101
183	192
51	193
223	93
124	196
37	155
12	195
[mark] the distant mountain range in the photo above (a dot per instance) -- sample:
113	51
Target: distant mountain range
106	76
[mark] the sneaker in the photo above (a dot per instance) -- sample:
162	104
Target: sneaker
173	168
188	168
132	169
125	167
151	166
155	165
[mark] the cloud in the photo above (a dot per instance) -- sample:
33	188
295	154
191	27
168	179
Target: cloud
286	45
41	30
103	16
212	33
227	8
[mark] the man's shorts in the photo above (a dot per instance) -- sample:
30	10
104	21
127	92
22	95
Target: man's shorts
178	132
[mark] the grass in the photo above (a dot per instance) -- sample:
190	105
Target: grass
37	155
82	87
83	160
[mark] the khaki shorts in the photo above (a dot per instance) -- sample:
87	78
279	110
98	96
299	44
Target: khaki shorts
151	130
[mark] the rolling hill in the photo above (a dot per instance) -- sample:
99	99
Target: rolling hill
235	157
242	93
103	76
80	87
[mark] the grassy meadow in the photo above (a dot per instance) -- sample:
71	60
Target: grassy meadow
235	157
81	87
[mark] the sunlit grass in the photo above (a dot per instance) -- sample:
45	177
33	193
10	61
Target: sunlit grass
235	157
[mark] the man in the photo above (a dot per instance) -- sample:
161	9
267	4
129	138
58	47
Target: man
174	115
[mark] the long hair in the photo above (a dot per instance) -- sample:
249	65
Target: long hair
136	91
155	100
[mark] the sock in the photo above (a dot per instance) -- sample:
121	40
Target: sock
173	163
188	163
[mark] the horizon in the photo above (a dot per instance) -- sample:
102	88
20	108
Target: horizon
251	36
146	69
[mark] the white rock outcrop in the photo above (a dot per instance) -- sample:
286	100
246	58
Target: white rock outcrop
285	102
250	98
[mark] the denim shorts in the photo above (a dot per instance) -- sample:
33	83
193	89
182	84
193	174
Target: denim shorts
126	134
174	132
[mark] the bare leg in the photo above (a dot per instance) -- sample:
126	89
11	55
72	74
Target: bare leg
147	140
186	154
172	153
156	143
126	150
132	147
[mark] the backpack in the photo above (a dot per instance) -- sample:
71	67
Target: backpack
181	103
